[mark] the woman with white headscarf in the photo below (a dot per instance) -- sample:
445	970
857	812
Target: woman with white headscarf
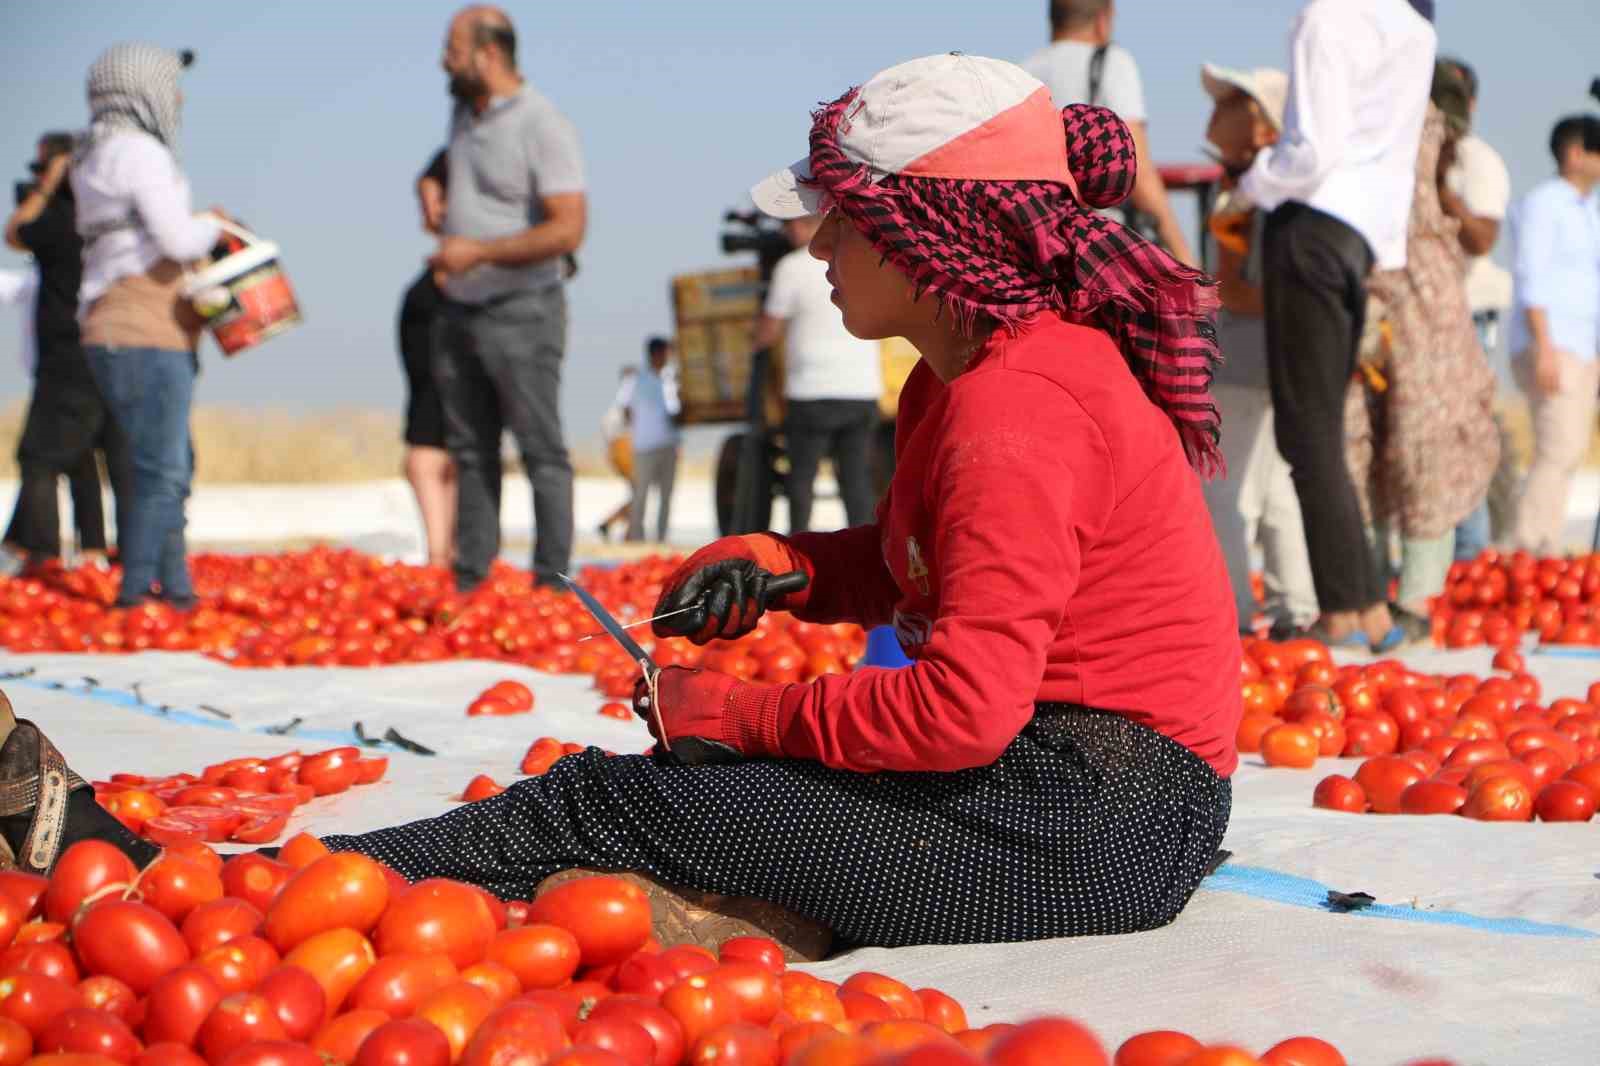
139	333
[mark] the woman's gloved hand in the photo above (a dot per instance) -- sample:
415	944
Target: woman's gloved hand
722	589
708	705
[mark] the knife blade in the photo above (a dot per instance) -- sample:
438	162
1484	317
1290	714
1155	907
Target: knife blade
647	665
691	751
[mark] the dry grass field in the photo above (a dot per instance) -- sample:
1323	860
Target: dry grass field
237	445
248	446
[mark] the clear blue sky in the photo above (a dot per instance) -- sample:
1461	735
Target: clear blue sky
310	120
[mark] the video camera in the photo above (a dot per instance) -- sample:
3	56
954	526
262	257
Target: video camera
756	233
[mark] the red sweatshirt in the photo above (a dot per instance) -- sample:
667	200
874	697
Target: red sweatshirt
1043	539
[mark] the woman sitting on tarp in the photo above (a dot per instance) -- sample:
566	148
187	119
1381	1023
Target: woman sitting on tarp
1055	760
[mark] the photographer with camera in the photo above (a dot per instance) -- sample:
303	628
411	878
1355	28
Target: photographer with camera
831	382
67	420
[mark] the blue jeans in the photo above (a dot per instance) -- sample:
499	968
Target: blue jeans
1473	534
149	392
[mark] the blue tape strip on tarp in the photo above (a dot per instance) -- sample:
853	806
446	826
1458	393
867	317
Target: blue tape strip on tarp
1260	883
128	701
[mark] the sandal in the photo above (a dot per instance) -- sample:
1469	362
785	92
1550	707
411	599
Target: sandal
690	916
34	782
45	807
1355	640
1412	628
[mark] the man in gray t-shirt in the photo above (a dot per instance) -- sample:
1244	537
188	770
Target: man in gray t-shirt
1082	66
515	211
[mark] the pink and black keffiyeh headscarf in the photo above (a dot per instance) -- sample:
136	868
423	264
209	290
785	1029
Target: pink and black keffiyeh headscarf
1006	251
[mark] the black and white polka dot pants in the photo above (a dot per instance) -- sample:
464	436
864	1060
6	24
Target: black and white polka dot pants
1089	823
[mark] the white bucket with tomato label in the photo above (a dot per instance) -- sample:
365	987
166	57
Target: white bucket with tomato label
244	297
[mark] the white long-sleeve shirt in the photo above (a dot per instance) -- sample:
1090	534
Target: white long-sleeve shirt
1359	80
130	175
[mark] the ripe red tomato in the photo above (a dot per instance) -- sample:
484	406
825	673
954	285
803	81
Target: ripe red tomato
1473	752
260	829
83	869
437	917
297	1000
255	879
700	1006
26	889
301	850
629	1042
542	956
272	1053
370	769
1048	1041
481	788
404	1042
760	950
33	1000
525	1032
457	1010
342	891
16	1043
340	1039
514	693
739	1043
1302	1051
1432	797
398	984
215	923
133	807
609	917
1289	745
51	958
1500	799
179	1002
619	711
108	994
338	959
168	1054
133	942
86	1031
663	1028
239	1019
1158	1047
331	771
1383	778
175	886
1565	801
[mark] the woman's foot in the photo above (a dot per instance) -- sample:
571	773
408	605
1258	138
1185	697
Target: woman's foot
1414	624
690	916
45	807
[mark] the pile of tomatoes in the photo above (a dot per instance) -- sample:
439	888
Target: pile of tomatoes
316	958
1484	748
333	607
245	801
1498	597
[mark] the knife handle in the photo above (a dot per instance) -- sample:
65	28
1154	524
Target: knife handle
698	751
783	584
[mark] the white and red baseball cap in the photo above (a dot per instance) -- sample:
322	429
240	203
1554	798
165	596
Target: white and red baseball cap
946	116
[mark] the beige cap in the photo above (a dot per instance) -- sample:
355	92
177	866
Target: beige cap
1268	87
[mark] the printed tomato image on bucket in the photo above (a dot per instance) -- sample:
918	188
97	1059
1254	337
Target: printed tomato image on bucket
245	296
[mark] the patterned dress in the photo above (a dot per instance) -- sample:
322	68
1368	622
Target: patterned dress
1423	449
